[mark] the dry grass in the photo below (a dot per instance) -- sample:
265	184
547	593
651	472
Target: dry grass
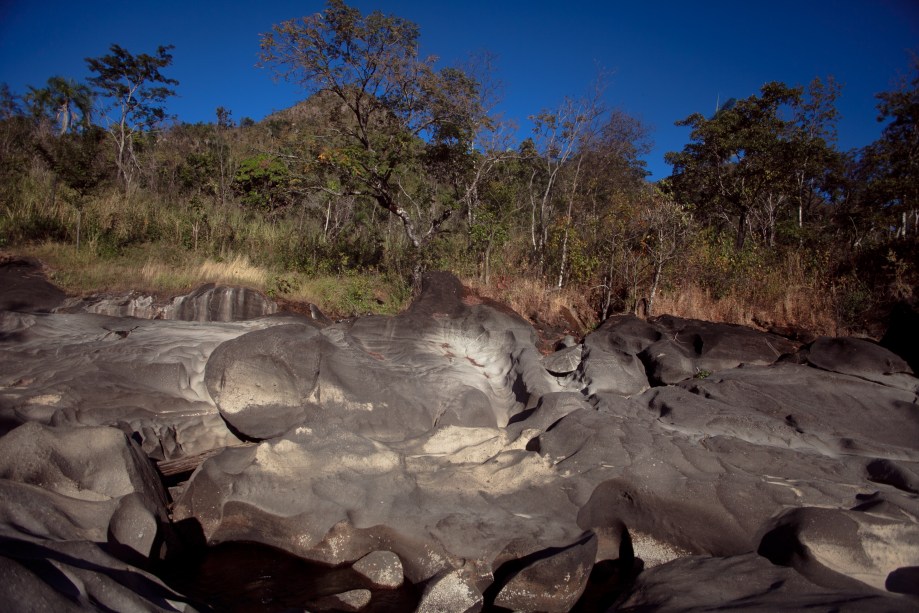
82	272
783	298
800	307
567	308
238	271
151	271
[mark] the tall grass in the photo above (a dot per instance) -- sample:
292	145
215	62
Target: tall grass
138	242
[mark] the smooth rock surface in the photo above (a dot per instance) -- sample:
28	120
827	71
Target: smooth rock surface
208	303
436	459
450	592
145	377
553	581
381	568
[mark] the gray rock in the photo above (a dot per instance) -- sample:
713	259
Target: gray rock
862	358
553	581
746	582
78	575
265	382
453	496
94	464
450	592
221	303
145	377
610	371
352	600
689	349
834	547
208	303
134	526
381	568
564	360
24	287
481	362
436	446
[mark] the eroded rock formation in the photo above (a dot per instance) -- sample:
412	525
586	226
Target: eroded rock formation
436	461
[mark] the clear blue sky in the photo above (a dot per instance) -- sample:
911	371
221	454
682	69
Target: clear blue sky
668	59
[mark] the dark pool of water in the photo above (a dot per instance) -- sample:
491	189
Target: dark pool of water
239	576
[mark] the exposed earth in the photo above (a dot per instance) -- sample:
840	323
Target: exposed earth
209	453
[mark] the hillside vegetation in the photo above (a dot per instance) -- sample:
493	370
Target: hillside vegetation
391	166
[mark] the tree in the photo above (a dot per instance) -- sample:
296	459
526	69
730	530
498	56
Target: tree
392	106
733	159
558	137
222	152
9	103
615	193
63	100
817	164
136	90
749	163
264	182
891	164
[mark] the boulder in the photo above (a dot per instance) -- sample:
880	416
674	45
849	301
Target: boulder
381	568
144	377
220	303
550	580
454	497
745	582
25	288
564	361
690	348
450	592
436	460
845	549
208	303
441	362
352	600
864	359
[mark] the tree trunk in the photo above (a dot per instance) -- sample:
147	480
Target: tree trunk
655	281
741	237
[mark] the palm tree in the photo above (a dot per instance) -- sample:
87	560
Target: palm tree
69	103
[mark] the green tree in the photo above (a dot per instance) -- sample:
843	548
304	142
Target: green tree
222	152
136	91
391	106
735	159
890	165
9	103
759	160
264	182
62	100
817	165
77	160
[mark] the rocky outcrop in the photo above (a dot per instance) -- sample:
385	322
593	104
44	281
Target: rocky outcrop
25	287
208	303
435	461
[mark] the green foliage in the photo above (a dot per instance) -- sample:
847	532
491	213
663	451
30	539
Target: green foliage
392	166
136	91
135	84
752	160
63	100
388	99
263	182
278	285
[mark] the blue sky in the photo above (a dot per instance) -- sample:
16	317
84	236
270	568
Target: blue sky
667	59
